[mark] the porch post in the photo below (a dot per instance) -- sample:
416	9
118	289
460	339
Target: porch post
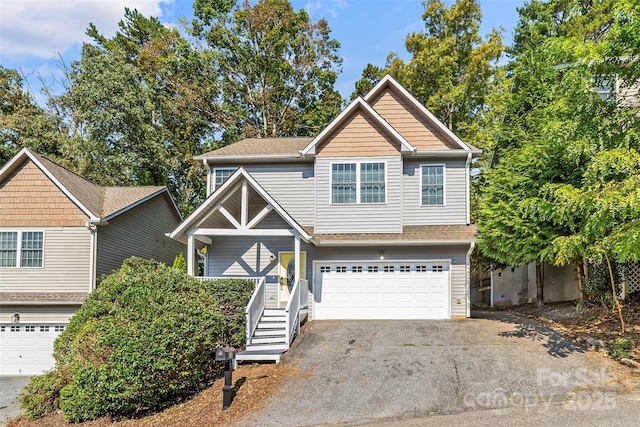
191	251
297	257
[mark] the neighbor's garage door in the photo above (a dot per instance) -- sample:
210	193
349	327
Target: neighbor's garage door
27	349
382	291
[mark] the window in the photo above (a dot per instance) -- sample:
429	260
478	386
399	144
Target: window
372	269
341	269
437	268
356	269
358	183
325	269
30	328
343	183
421	268
58	328
432	185
405	269
606	85
31	244
221	175
44	328
15	329
389	269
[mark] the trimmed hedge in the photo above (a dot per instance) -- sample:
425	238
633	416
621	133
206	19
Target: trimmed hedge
144	340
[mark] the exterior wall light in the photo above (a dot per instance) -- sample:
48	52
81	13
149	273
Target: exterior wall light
381	255
15	318
272	258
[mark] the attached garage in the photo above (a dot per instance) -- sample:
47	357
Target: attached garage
27	349
382	290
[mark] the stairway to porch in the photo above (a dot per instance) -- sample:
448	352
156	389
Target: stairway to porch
269	340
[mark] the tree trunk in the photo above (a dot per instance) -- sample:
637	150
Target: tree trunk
615	294
580	273
539	284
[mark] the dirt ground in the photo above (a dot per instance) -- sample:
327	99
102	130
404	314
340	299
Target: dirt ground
590	324
255	383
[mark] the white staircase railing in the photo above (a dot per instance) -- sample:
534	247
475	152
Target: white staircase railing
255	308
292	310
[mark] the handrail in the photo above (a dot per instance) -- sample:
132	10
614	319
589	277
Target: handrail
292	310
255	308
255	280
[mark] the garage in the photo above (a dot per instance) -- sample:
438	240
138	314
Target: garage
382	290
27	349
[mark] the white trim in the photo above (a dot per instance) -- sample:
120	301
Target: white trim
468	277
244	205
19	248
213	199
243	232
444	185
358	181
227	215
467	194
358	102
260	216
390	80
324	242
306	259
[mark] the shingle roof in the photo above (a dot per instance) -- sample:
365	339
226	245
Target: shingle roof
71	298
259	147
99	201
415	234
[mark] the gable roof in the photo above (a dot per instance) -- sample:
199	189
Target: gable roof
209	204
358	103
390	81
97	202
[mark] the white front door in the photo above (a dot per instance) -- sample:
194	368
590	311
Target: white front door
382	290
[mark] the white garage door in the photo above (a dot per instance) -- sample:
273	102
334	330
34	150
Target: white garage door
27	349
382	291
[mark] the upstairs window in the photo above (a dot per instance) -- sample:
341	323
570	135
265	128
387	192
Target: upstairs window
432	185
221	175
21	248
358	182
606	86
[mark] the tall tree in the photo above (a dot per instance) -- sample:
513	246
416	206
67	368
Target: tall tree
277	67
23	123
141	103
452	67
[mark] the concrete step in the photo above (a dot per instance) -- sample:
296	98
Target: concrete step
262	356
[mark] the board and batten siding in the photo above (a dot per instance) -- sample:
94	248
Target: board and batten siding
66	263
359	217
140	232
455	209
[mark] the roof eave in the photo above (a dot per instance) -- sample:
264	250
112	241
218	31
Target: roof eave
400	242
260	158
446	153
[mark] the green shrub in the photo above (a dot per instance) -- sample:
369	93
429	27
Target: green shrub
42	395
233	295
144	340
597	284
179	262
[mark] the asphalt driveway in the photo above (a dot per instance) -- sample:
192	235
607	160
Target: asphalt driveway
360	372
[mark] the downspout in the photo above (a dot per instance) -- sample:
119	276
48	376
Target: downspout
471	247
93	230
468	188
206	165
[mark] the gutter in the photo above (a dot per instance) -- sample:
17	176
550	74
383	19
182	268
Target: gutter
468	291
260	158
390	242
445	153
93	230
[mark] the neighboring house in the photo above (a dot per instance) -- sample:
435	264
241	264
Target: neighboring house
58	232
370	218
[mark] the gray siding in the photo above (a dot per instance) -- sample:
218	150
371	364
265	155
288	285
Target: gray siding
359	218
249	257
455	209
139	231
291	185
66	263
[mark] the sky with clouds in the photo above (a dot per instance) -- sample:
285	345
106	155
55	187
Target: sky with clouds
35	33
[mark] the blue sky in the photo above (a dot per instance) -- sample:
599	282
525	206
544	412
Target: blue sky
35	33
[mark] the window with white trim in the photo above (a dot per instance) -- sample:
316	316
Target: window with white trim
606	86
359	182
220	175
21	249
432	185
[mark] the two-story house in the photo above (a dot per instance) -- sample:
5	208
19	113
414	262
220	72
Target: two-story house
58	234
371	216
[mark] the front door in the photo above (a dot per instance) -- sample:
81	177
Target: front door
287	274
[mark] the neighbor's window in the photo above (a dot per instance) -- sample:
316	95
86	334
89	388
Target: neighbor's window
31	251
358	183
221	175
432	185
606	85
